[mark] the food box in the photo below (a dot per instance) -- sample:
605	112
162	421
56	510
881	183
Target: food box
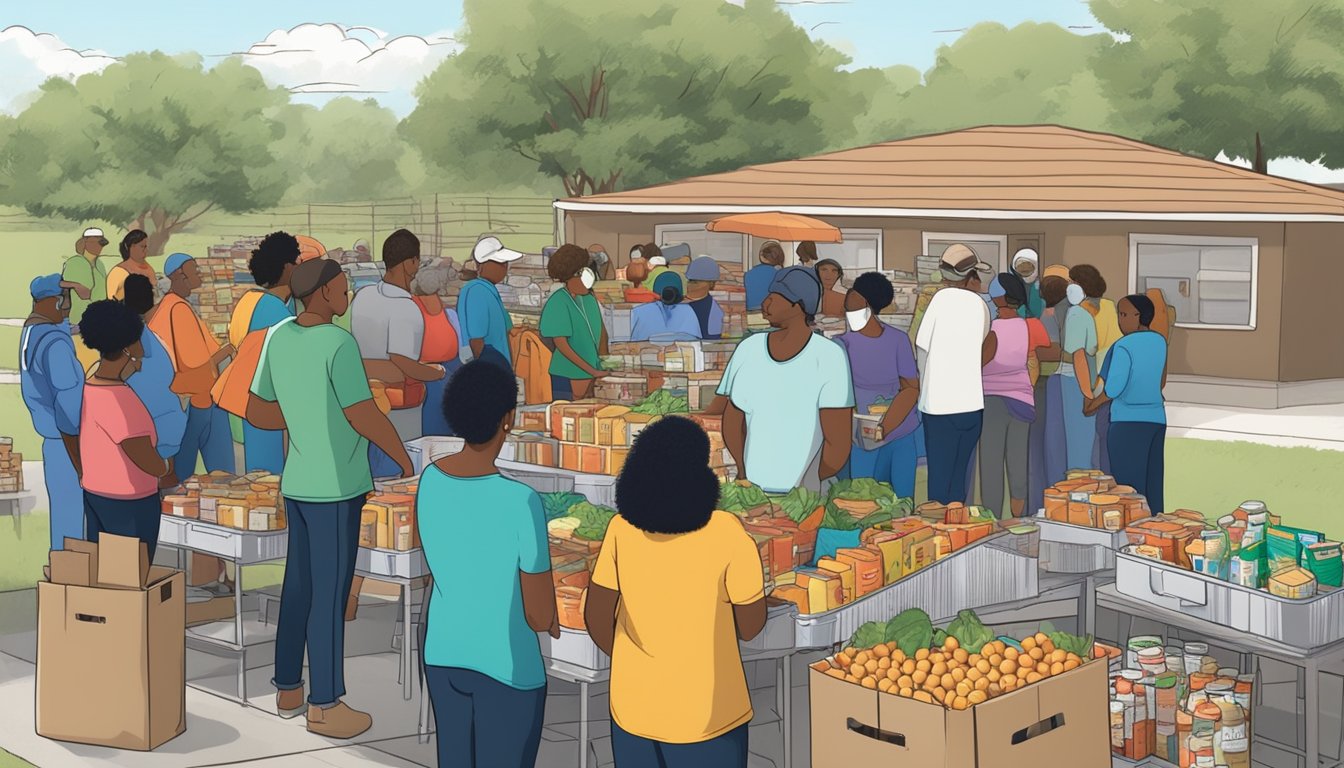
867	566
1036	725
636	422
868	427
181	506
846	573
825	590
569	604
1167	536
795	594
533	418
611	428
1292	583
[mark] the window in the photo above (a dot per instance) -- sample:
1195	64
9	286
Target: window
1209	281
721	246
860	252
990	248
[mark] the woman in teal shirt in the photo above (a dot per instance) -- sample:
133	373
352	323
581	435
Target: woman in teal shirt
572	320
271	265
1133	375
482	659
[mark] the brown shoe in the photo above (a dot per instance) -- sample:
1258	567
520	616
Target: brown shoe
290	704
338	721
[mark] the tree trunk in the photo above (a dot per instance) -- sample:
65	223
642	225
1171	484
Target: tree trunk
157	240
1261	164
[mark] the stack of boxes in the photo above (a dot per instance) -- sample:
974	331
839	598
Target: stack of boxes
11	467
593	437
250	502
1092	499
388	520
225	278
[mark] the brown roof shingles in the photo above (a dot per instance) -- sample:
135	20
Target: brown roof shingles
1042	168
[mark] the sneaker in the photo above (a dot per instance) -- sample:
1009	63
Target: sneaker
338	721
290	704
219	588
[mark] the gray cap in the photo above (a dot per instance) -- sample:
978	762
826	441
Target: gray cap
800	286
703	268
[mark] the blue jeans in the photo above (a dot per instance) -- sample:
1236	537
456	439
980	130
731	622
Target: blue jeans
1102	452
950	441
263	449
561	388
726	751
432	421
209	437
483	722
1080	432
65	498
1139	458
137	518
893	463
323	541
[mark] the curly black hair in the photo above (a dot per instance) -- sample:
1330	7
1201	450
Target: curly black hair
478	397
269	259
875	289
666	485
1088	276
567	261
109	327
138	294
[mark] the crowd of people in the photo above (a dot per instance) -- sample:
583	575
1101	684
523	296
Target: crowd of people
1022	375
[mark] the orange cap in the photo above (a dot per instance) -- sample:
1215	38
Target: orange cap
309	248
1057	270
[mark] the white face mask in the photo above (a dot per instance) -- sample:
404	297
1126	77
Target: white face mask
1075	294
858	319
588	278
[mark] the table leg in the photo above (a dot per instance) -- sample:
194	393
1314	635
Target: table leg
406	633
786	712
238	630
1087	608
583	725
1312	716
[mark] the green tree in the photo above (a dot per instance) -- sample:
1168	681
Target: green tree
1256	80
154	141
346	150
993	75
608	94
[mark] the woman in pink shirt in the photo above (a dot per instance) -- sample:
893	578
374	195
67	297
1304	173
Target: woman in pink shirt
1010	399
118	465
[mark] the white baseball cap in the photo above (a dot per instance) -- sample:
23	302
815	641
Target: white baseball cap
93	232
490	249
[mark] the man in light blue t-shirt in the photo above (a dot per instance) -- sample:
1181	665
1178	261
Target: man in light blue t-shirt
480	311
775	380
1079	369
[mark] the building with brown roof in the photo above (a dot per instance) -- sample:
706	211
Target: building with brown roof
1251	263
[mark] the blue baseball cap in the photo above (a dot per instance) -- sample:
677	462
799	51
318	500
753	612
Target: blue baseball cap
996	288
175	262
45	287
799	285
703	268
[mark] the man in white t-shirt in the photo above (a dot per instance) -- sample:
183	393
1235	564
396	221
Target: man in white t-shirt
950	349
789	419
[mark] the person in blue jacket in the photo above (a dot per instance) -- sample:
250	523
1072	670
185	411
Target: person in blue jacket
51	380
667	319
757	279
153	381
701	278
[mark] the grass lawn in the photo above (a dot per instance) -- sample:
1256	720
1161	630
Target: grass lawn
10	761
1208	476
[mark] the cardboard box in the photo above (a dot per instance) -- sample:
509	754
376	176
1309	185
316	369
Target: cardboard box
75	568
1058	721
611	430
209	611
122	561
111	661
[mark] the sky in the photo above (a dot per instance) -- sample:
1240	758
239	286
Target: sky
382	49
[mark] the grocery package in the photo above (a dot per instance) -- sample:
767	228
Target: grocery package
117	678
387	521
11	467
250	502
953	696
575	529
1176	704
1092	499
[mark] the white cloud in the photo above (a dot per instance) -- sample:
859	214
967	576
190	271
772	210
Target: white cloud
1294	168
28	58
320	61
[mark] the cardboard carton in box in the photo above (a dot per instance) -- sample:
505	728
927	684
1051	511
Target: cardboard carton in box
611	425
111	661
1061	720
122	561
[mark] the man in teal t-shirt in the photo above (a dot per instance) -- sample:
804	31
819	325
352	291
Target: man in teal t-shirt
311	381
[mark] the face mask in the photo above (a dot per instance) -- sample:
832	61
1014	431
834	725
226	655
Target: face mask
1075	294
858	319
588	278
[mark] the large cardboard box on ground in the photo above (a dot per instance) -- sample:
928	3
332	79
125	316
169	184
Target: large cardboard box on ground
111	661
1058	721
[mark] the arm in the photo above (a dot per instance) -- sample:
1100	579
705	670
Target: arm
746	586
750	619
264	414
562	346
989	349
539	602
374	426
907	398
141	451
735	436
534	570
837	437
477	346
72	447
602	342
1050	354
414	370
599	614
1082	373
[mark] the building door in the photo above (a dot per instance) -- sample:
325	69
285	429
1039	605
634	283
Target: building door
1034	242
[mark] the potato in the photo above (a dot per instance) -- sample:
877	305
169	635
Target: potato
976	697
862	657
964	688
994	675
909	666
898	656
1041	638
960	702
984	666
951	643
905	681
932	684
994	690
871	666
869	682
851	651
1008	667
1042	669
961	656
1028	643
884	663
884	685
1036	654
1010	653
844	660
1048	646
907	692
1035	677
858	671
1057	668
891	648
1058	656
1008	682
949	683
881	652
974	674
837	674
939	669
973	659
894	674
923	665
996	660
982	684
1071	664
851	679
919	677
923	696
958	674
948	698
921	654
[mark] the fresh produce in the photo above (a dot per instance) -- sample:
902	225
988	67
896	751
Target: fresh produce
563	527
907	659
969	632
662	403
737	498
840	520
861	489
802	505
593	520
1078	645
556	505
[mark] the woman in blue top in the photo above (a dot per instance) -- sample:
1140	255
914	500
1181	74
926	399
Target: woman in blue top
1133	375
482	659
153	382
271	265
667	319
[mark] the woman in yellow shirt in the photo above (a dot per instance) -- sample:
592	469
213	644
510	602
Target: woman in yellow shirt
676	585
134	254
